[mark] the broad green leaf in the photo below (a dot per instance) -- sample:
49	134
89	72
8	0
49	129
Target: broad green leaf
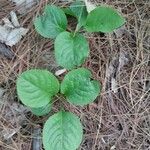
51	23
41	110
103	19
80	12
35	88
62	131
78	87
71	51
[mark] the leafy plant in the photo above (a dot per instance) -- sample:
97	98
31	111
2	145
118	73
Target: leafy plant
36	88
71	49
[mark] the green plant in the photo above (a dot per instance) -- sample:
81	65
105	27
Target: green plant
36	88
71	48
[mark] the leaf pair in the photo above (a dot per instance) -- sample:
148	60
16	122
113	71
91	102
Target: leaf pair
101	19
36	88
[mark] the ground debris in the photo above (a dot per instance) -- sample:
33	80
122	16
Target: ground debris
123	60
113	147
11	32
7	133
60	72
1	92
115	66
114	85
89	6
37	140
120	31
24	5
6	51
13	116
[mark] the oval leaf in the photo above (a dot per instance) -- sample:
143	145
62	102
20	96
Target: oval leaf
71	51
104	19
51	23
79	88
41	110
35	88
62	131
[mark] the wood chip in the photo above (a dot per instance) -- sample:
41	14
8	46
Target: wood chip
37	142
23	6
89	6
1	92
6	51
60	72
114	85
11	32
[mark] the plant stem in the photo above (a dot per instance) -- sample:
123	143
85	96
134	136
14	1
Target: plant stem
76	30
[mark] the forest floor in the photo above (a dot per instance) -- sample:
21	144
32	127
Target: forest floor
119	119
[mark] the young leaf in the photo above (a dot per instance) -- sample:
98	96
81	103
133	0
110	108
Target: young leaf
35	88
104	19
51	23
79	10
79	88
62	131
70	51
41	110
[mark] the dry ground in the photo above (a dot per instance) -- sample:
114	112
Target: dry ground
120	117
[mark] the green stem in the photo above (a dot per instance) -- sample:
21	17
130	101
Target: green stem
76	30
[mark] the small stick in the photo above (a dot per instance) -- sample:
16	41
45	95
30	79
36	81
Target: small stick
37	142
